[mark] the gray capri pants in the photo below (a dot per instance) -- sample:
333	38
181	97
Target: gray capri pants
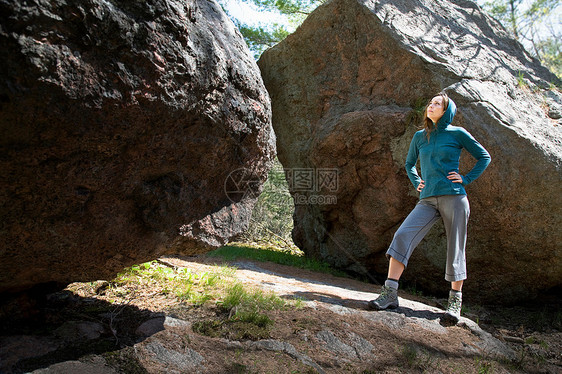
455	210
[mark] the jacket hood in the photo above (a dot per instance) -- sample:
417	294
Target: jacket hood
448	116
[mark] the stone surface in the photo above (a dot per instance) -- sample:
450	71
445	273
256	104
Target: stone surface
287	348
150	327
162	359
121	124
95	365
348	90
15	348
333	332
335	345
79	331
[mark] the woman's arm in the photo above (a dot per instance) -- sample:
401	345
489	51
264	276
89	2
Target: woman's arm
481	155
411	160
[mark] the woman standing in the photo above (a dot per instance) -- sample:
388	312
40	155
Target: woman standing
442	195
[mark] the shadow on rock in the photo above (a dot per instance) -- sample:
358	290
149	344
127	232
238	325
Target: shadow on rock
62	326
332	299
425	314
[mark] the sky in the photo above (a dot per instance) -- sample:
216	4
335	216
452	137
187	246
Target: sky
248	14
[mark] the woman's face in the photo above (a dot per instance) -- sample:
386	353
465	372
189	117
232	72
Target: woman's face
435	109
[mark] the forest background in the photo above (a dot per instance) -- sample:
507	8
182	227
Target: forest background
536	24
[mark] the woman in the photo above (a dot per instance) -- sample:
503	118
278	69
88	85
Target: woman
442	195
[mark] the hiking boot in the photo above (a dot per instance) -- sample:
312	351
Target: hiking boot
388	299
453	312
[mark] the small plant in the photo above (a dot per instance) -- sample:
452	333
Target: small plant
239	299
196	288
237	368
418	107
209	328
483	366
521	82
246	318
410	355
421	360
533	340
299	302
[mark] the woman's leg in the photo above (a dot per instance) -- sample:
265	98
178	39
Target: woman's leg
410	233
455	211
395	269
407	237
457	286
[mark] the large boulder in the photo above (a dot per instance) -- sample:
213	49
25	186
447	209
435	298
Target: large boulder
348	89
128	130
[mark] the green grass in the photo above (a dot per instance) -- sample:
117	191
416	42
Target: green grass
181	283
410	355
244	314
242	311
248	306
293	258
484	366
239	298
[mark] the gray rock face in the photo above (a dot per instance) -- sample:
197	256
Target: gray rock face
121	123
348	90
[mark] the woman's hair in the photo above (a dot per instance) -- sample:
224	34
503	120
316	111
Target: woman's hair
427	123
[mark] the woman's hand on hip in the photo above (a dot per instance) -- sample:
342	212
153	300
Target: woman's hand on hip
454	177
420	186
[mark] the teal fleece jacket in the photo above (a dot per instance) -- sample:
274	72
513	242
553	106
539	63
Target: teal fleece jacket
440	155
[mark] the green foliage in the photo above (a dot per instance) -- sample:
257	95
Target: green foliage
484	366
246	318
242	301
534	340
530	23
261	37
295	258
550	52
209	328
507	12
288	7
521	80
243	311
196	288
272	218
416	358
